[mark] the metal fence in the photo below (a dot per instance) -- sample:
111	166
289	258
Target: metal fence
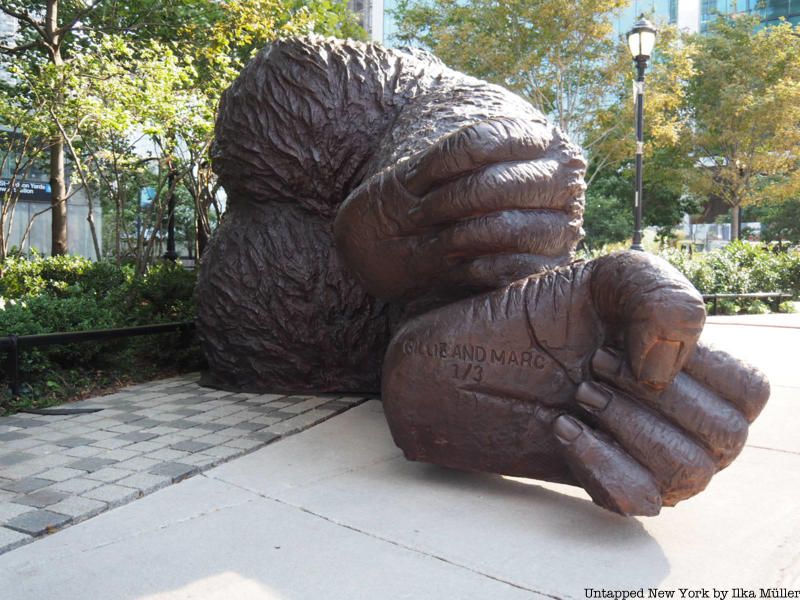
14	345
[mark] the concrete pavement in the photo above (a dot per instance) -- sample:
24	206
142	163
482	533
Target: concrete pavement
57	470
336	512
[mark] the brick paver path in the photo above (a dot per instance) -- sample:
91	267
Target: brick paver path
60	470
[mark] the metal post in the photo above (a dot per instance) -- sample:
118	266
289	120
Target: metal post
13	365
641	65
186	334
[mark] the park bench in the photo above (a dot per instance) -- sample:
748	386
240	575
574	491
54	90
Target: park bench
774	299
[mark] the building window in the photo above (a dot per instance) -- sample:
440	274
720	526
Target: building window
363	11
708	10
777	8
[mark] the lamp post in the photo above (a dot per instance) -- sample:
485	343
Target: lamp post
641	40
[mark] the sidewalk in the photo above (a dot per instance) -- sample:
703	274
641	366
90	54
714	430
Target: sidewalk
768	320
336	512
58	470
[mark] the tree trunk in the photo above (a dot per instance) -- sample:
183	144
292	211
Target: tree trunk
202	234
118	228
735	216
58	188
3	240
171	254
93	230
58	198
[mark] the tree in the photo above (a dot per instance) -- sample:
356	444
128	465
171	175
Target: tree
667	148
781	221
22	146
609	200
610	195
47	33
41	30
111	72
121	95
608	219
743	103
560	56
217	46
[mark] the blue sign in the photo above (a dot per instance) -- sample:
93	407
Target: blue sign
146	196
31	191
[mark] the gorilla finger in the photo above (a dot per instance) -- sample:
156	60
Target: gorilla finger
611	477
680	465
661	313
687	403
541	232
742	385
492	272
662	333
475	146
519	185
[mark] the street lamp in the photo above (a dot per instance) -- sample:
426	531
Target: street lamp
641	40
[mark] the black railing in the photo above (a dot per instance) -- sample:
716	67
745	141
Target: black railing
774	298
14	345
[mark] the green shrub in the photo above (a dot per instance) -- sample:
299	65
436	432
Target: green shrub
757	307
62	294
30	277
48	314
789	272
740	268
103	278
729	307
607	219
166	292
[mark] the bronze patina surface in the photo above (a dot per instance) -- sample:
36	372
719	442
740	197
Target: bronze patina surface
393	224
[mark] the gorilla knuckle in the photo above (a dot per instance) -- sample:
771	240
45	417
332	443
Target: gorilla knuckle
677	306
693	469
690	309
732	436
757	390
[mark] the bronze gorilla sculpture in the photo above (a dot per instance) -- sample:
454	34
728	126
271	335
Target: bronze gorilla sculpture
394	223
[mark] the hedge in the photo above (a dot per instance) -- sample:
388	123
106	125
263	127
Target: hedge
69	293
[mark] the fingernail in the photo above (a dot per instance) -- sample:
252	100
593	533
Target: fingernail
592	397
567	429
605	363
660	363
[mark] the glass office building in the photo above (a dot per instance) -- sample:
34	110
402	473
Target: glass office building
662	11
770	11
683	13
370	15
695	15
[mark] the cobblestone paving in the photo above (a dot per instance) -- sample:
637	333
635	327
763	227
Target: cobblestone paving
59	470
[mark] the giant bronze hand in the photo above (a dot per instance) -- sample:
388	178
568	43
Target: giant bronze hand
588	375
485	205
